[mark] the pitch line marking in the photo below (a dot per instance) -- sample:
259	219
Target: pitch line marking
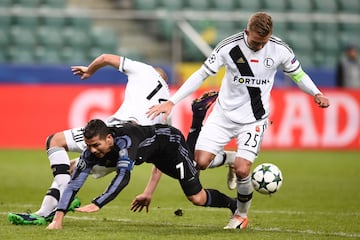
155	208
308	231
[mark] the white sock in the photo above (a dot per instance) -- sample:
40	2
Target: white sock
48	204
230	157
56	155
218	160
244	188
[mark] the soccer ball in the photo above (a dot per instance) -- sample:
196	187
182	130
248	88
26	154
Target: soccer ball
266	178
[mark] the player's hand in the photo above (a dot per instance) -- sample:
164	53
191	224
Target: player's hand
54	225
164	108
321	100
88	208
81	70
140	202
57	221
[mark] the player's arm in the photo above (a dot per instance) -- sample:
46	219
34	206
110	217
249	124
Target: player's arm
99	62
57	221
119	182
308	86
77	181
190	85
143	200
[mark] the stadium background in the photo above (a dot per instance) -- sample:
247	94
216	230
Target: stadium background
41	39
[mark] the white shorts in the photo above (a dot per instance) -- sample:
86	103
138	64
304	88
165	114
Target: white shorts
75	139
218	131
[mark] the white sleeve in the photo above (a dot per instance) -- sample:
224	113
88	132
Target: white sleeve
307	85
189	86
121	66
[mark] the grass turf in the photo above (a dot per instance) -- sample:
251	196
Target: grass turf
319	199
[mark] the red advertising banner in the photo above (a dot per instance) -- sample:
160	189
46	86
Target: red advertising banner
29	113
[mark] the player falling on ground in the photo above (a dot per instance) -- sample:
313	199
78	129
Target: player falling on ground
130	144
199	107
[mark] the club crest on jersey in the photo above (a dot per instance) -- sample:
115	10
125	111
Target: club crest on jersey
123	153
212	58
81	164
268	62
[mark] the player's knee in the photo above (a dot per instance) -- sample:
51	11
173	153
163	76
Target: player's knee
201	165
242	168
241	173
203	159
56	140
48	141
198	199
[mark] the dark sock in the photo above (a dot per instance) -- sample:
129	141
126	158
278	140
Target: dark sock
220	200
192	137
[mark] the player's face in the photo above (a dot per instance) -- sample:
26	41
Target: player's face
99	147
255	41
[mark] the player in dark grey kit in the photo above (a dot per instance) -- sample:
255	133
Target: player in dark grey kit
130	144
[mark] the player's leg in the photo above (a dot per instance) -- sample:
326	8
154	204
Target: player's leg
60	165
57	146
248	149
194	191
199	108
215	134
178	164
226	158
244	194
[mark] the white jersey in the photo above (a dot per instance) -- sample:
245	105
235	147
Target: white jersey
144	88
244	94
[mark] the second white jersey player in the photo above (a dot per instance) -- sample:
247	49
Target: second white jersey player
145	87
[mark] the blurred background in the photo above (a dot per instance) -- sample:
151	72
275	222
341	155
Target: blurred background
168	31
41	39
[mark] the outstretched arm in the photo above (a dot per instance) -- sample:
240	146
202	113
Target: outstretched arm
190	85
88	208
307	85
144	199
99	62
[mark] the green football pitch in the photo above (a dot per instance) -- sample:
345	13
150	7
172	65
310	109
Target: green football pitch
319	199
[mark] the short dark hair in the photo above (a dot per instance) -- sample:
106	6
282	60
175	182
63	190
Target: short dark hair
96	127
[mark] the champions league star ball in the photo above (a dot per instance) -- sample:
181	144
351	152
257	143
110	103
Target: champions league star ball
266	178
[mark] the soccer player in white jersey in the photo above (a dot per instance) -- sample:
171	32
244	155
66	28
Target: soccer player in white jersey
145	87
251	59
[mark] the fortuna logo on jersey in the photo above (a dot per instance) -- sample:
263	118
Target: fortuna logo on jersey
250	80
